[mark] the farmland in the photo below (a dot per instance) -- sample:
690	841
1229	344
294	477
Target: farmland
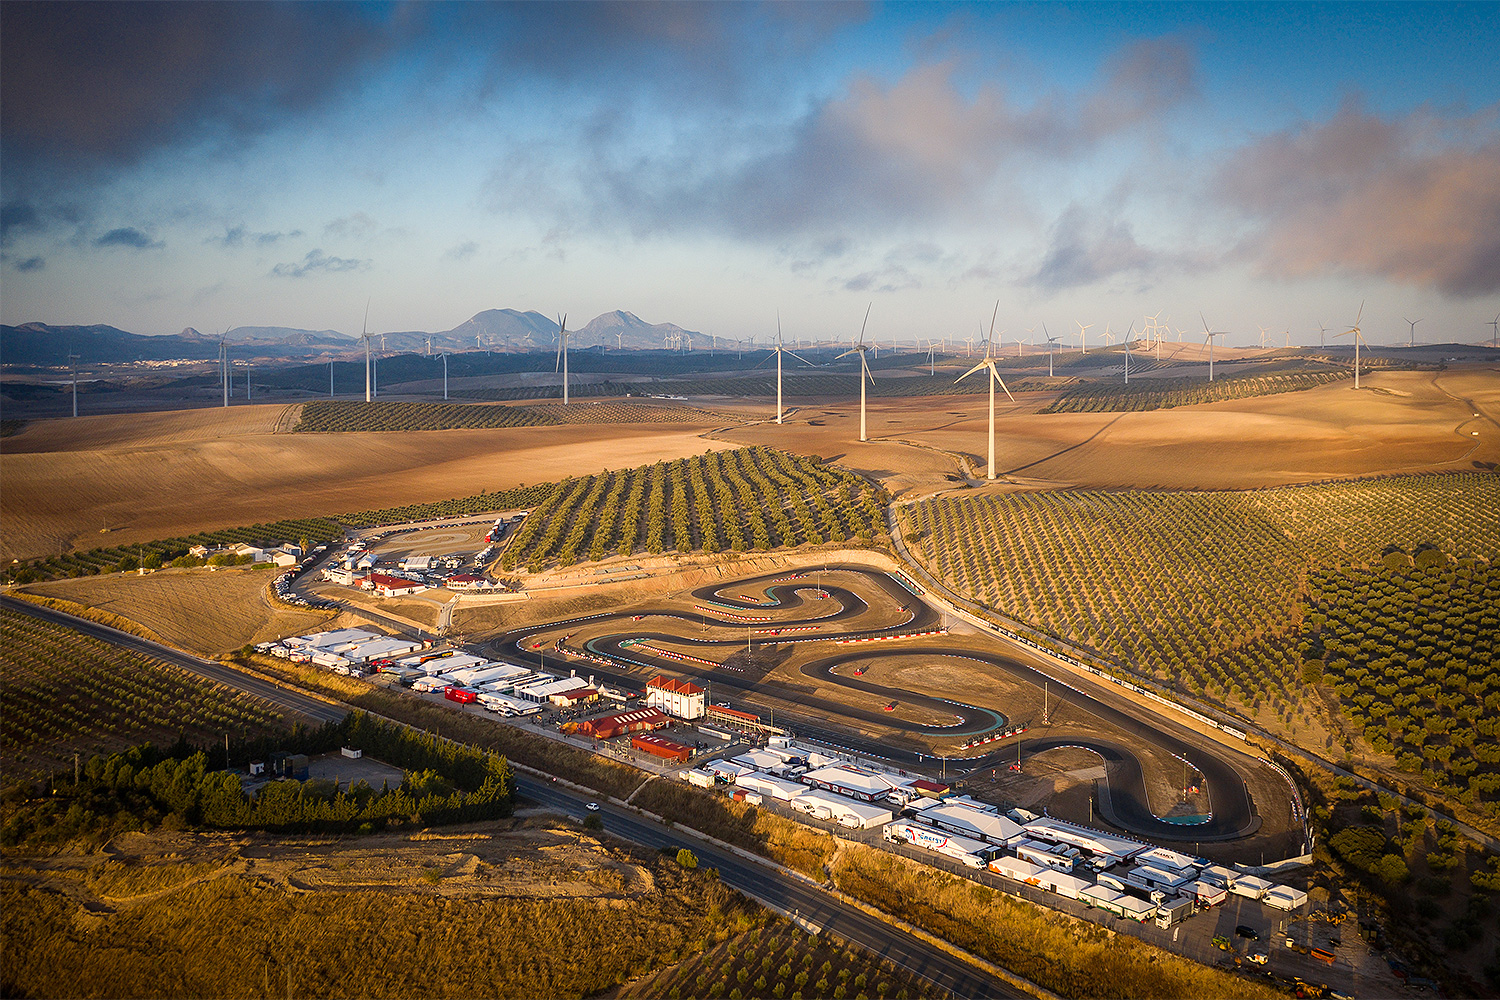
336	416
1409	649
1203	591
161	475
1164	393
752	498
197	610
66	693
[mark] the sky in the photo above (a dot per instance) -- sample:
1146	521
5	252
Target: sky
714	165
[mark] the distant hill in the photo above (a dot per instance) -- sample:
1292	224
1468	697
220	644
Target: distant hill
491	330
625	329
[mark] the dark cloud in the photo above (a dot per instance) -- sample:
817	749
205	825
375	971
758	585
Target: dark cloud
127	236
317	262
19	215
30	264
1084	249
100	83
1414	199
238	236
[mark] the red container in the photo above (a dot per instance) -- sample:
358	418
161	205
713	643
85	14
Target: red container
461	694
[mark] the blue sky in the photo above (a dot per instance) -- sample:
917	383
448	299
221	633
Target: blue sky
216	165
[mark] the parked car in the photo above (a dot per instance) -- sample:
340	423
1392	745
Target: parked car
1247	932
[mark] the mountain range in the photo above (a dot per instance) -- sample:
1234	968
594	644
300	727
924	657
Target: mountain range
42	344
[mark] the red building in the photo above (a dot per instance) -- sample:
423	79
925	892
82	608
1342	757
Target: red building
635	721
660	746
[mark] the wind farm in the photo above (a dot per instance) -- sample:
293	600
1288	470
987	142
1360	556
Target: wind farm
842	663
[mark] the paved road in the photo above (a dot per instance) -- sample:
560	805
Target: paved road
287	700
786	892
1126	803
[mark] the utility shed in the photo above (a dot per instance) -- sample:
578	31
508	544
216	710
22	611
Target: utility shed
637	720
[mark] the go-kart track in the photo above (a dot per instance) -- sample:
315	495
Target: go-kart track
716	624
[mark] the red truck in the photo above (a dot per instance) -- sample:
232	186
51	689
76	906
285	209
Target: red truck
461	694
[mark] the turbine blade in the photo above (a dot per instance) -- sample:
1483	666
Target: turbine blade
971	371
866	322
802	359
1002	383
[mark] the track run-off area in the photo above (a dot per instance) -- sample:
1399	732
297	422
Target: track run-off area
791	612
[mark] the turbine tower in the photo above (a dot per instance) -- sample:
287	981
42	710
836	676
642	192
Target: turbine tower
1127	351
1051	340
864	369
364	334
1358	338
1494	326
1413	323
1208	338
73	368
1083	335
779	350
562	353
989	362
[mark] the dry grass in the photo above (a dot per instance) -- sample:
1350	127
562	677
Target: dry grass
1401	422
1062	953
199	610
161	475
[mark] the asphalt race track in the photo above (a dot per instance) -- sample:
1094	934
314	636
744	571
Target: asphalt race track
1123	802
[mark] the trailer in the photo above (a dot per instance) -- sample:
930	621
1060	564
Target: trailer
462	695
971	852
1173	911
429	684
1136	909
1251	887
1209	894
1285	897
1039	855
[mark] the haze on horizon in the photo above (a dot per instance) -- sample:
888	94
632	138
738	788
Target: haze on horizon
215	165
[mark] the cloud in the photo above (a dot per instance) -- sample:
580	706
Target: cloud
358	226
1414	199
19	215
1084	248
462	251
316	262
238	236
30	264
127	236
921	150
89	84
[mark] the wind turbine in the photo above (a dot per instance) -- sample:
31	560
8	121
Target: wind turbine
779	350
1358	337
429	347
72	367
1127	351
1050	341
1263	332
864	369
1494	326
989	362
1083	335
445	376
364	334
1413	323
1322	335
1208	338
562	353
224	367
931	364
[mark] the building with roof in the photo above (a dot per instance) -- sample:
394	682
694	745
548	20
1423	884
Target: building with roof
972	819
575	697
1096	842
661	747
771	786
392	586
637	720
845	812
677	698
855	782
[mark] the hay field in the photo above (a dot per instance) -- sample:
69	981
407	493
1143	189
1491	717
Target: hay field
199	610
1399	422
158	475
